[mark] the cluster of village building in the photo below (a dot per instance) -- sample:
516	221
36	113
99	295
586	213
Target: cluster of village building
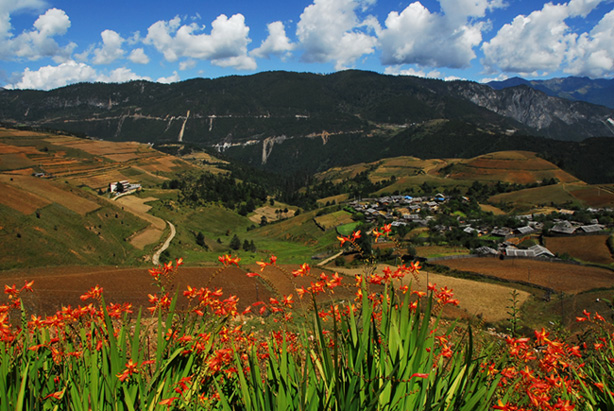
403	210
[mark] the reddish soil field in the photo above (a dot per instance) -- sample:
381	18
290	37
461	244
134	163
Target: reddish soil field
8	149
562	277
595	196
57	286
590	248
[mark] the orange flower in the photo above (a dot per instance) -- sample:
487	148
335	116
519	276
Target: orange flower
28	286
303	270
131	368
168	401
55	395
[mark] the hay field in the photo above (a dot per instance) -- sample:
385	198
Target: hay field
511	166
20	200
139	208
268	211
49	191
333	220
492	209
569	278
488	300
589	248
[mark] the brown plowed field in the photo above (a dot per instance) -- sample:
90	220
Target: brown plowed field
590	248
57	286
595	196
561	277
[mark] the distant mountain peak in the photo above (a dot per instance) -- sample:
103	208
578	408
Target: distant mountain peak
594	91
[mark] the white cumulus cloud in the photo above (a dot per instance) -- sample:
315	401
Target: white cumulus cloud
398	71
418	36
593	55
329	30
277	43
187	64
69	72
138	56
543	42
111	49
225	46
170	79
38	42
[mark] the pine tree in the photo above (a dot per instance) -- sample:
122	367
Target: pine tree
235	242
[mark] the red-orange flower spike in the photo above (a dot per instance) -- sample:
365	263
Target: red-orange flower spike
228	260
131	368
542	336
287	301
355	235
303	270
28	286
168	401
10	290
55	395
94	292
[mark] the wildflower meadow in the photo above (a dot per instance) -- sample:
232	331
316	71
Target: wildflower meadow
387	348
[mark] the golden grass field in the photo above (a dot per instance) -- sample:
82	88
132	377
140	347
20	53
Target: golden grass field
268	211
333	220
19	200
492	209
138	207
511	166
476	298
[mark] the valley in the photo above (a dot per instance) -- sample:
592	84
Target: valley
62	226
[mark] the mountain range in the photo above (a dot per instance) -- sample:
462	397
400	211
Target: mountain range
289	122
596	91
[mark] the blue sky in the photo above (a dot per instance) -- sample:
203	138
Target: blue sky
46	44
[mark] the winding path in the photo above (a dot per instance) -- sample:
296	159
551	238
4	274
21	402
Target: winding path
155	258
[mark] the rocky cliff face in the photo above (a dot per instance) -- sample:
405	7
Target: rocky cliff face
551	116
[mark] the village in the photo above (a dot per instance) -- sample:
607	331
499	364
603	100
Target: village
479	231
